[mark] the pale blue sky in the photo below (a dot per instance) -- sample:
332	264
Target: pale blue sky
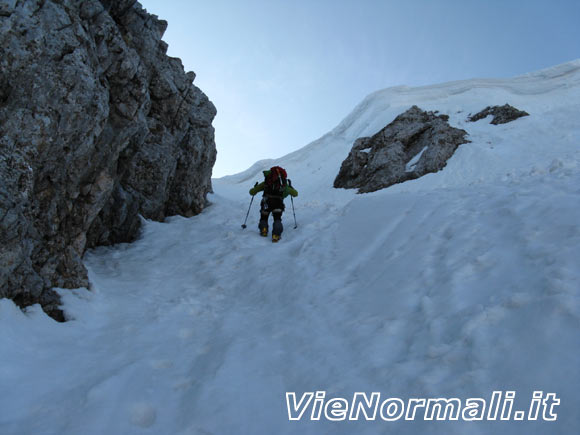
282	73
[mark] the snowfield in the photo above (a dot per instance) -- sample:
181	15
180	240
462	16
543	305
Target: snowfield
457	284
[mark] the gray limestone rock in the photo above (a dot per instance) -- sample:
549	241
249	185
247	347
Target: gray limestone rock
501	114
97	126
414	144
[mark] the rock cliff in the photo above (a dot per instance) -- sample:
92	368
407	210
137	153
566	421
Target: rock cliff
414	144
97	126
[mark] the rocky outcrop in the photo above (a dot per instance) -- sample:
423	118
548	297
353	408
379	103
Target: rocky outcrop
501	114
414	144
97	126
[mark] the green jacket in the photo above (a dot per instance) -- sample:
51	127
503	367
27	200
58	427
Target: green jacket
288	190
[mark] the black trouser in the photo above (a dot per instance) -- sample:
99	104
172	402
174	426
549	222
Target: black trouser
274	205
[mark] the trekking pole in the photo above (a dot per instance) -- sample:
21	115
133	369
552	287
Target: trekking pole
292	200
248	213
295	224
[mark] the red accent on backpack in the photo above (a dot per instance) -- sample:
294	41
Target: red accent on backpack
277	173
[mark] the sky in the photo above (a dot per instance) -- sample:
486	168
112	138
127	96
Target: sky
283	73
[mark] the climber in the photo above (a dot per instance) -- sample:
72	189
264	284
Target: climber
276	187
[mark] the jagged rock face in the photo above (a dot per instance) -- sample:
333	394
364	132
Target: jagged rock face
97	126
501	114
414	144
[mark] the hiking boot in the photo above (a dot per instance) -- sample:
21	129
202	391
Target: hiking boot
264	232
275	238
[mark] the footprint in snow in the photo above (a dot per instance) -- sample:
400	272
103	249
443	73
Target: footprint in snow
143	414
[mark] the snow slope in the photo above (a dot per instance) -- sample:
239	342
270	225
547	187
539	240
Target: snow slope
453	285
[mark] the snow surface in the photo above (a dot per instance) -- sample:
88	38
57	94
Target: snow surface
452	285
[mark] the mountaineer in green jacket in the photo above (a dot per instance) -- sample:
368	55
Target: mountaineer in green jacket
276	187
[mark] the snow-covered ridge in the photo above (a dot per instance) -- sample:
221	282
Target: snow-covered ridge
545	81
551	97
